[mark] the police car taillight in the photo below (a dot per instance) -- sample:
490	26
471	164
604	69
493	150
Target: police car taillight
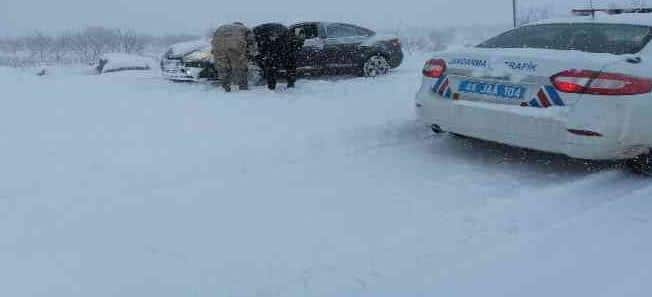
434	68
600	83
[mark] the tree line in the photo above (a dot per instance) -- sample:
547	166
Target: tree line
84	46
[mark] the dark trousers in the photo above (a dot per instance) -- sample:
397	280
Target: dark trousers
272	67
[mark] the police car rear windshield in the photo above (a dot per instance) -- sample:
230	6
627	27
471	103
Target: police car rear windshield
593	38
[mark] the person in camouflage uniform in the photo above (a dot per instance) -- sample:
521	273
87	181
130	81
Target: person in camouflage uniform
232	47
278	48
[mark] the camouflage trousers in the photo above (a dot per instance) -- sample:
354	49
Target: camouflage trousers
232	66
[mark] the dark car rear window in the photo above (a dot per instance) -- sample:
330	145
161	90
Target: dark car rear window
594	38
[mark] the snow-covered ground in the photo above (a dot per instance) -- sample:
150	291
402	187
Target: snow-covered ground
127	185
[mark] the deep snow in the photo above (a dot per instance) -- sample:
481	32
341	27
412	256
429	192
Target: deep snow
127	185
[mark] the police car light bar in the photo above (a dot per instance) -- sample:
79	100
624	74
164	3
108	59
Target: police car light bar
589	12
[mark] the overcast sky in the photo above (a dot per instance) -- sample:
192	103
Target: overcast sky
196	16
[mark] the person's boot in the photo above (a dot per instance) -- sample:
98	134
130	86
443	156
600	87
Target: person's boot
270	75
292	76
244	86
226	87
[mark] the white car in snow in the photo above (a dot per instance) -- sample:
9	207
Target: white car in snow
579	87
188	61
193	62
115	62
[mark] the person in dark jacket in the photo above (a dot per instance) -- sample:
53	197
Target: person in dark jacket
277	50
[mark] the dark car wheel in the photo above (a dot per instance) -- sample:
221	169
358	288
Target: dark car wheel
375	65
641	165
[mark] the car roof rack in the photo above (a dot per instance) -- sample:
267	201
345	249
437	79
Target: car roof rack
611	11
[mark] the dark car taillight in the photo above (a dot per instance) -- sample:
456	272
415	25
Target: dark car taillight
434	68
600	83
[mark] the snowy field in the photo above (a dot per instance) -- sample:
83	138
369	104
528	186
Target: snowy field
127	185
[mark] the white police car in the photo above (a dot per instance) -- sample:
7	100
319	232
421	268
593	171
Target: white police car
581	87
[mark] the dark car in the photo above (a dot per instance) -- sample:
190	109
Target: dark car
329	48
346	48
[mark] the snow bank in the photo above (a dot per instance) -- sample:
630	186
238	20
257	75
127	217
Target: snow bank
129	185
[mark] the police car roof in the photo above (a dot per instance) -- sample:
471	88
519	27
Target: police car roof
643	19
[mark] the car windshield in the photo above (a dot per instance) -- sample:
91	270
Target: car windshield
593	38
310	31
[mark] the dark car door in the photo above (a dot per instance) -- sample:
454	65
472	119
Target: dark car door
311	55
342	46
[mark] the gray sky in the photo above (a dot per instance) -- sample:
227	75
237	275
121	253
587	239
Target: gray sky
197	16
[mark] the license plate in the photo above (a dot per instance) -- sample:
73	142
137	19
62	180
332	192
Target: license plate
492	89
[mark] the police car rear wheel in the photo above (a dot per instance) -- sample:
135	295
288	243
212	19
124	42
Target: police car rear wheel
374	66
641	165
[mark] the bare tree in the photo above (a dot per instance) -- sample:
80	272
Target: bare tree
39	45
85	46
79	47
62	45
533	14
100	40
132	43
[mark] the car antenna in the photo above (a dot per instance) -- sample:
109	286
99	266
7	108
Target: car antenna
592	10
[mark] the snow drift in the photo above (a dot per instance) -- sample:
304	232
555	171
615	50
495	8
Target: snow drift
128	185
116	62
